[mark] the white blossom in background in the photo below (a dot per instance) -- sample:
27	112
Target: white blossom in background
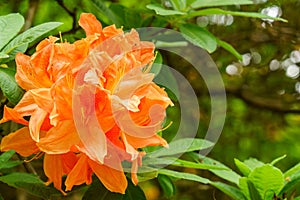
274	65
272	11
246	59
295	56
293	71
202	21
233	69
297	87
286	63
256	57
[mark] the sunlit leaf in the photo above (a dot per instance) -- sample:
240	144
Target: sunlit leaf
199	37
211	3
10	26
266	178
30	35
253	163
292	170
30	183
183	175
162	11
244	169
9	85
231	191
254	194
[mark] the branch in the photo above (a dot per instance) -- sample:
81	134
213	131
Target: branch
273	104
31	13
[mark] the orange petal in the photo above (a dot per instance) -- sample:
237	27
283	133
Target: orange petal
90	24
20	141
11	114
81	173
55	167
42	98
60	139
35	123
27	105
112	178
154	140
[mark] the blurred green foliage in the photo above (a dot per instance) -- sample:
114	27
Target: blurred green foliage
263	114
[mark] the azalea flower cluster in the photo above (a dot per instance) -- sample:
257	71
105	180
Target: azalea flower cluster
92	105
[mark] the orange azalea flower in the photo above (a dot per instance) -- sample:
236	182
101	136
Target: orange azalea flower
92	104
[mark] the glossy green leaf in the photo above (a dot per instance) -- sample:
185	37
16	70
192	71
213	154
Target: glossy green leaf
229	48
291	182
167	185
211	3
244	169
30	183
181	146
30	35
265	179
183	175
97	189
102	7
199	37
3	55
10	26
9	85
159	10
231	191
5	163
213	11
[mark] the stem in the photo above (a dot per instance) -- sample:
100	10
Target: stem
33	4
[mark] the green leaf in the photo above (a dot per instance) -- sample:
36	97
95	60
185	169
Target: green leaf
157	65
147	175
6	156
14	52
210	3
231	191
178	4
107	12
266	179
3	55
229	48
9	85
199	36
253	163
181	146
10	25
97	189
159	10
178	162
291	182
30	35
30	183
254	194
10	164
243	185
226	174
277	160
213	11
167	185
292	170
244	169
183	175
